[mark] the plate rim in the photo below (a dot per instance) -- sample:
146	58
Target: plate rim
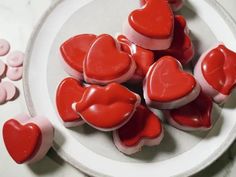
29	103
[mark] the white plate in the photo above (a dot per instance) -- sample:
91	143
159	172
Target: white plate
93	152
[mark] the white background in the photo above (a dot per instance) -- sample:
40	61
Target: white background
17	20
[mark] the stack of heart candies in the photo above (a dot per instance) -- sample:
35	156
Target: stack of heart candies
109	72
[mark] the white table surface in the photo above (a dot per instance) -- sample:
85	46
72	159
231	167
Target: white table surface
17	20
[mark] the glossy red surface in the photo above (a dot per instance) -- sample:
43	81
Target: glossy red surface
143	58
181	48
69	91
143	125
196	114
172	2
75	50
21	141
105	60
154	20
166	80
107	107
219	69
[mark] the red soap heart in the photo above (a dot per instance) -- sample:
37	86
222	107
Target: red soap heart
166	81
68	92
196	114
143	58
143	125
105	61
22	141
219	69
181	47
154	20
107	107
75	49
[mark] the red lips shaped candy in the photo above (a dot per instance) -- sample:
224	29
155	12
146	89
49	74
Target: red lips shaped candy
167	86
181	47
69	91
107	108
74	51
196	115
145	26
106	63
144	128
216	72
143	58
27	139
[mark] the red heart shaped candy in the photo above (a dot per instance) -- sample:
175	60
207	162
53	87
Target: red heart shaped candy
69	91
167	86
75	49
193	116
106	63
144	128
154	20
22	141
143	58
181	48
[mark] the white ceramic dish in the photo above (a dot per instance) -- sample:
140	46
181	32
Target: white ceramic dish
180	153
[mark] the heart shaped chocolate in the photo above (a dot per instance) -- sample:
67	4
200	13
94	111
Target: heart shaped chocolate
143	58
196	115
26	139
181	48
106	63
154	20
167	86
107	108
69	91
74	51
144	128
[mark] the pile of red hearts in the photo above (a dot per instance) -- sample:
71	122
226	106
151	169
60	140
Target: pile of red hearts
150	54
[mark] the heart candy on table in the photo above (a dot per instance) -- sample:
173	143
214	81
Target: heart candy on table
69	91
107	108
181	47
216	72
144	128
143	58
152	26
167	86
106	63
27	139
74	51
196	115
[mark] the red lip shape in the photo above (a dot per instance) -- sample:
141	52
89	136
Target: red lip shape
196	115
27	139
144	128
167	86
74	51
143	58
106	63
216	72
107	108
181	48
69	91
150	20
219	69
